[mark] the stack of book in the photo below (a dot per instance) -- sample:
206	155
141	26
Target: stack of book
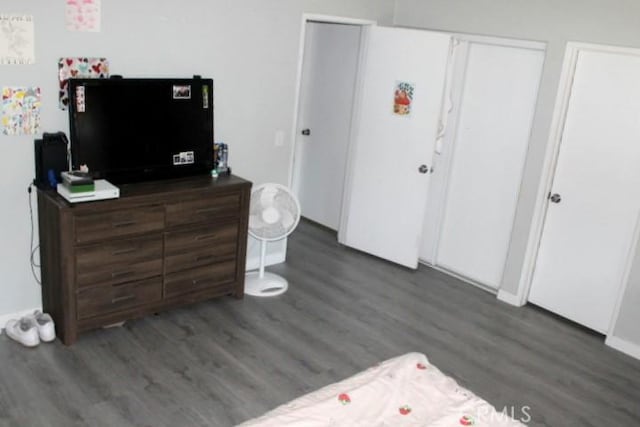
77	182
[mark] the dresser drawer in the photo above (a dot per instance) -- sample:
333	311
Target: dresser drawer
200	246
107	225
216	275
207	209
110	299
119	261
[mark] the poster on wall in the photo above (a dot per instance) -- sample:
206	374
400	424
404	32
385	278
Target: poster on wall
403	98
16	39
83	15
89	68
20	110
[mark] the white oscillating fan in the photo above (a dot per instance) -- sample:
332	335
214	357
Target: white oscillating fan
274	213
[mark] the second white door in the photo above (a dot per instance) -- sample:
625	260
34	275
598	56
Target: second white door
398	109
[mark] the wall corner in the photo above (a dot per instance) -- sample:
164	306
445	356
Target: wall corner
511	299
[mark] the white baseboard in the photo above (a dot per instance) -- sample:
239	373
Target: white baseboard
509	298
627	347
4	318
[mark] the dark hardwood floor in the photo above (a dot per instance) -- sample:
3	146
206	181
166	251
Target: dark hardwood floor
221	362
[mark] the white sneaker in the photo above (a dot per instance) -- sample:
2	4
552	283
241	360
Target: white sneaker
44	324
24	331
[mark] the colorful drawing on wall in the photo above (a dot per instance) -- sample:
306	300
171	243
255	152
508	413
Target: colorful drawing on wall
83	15
403	98
96	68
16	39
20	110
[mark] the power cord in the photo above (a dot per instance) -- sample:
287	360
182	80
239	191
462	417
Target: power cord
34	248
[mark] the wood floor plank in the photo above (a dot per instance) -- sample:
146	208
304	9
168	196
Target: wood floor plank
221	362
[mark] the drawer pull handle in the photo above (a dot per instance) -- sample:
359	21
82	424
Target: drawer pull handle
122	224
207	210
115	274
203	257
122	298
202	237
123	251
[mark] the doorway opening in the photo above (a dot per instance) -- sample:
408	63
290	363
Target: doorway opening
329	62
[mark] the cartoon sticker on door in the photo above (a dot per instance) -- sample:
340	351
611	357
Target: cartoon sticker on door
403	98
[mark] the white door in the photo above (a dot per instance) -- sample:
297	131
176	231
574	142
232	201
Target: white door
595	202
328	84
388	178
483	159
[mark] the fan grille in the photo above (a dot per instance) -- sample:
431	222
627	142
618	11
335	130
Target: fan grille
274	212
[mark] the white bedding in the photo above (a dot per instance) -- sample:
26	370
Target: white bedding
404	391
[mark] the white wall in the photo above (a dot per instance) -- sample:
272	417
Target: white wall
612	22
249	47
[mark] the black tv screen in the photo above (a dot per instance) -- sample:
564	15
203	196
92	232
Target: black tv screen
129	130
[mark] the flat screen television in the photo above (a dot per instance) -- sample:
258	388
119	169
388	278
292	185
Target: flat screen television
132	129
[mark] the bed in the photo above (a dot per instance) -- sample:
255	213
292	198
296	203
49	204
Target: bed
403	391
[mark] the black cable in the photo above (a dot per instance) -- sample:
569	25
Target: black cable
33	248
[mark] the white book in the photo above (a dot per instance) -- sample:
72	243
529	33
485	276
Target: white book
104	190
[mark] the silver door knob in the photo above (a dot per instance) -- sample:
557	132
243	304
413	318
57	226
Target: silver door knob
555	198
423	169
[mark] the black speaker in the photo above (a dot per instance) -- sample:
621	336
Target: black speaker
51	159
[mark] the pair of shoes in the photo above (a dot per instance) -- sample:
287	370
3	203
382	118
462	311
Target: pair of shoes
31	329
44	323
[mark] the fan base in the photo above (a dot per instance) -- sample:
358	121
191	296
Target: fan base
269	285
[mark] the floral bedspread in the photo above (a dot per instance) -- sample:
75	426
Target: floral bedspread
403	391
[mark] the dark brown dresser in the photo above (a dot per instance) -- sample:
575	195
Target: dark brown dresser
160	245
